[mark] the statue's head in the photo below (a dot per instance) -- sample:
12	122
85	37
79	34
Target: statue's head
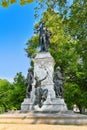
30	70
43	24
58	68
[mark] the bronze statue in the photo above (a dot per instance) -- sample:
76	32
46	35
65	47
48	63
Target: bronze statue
40	94
58	83
44	38
29	81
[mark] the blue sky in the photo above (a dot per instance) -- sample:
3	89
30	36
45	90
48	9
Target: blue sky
16	27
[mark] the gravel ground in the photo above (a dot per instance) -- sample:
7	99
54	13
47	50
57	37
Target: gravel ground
40	127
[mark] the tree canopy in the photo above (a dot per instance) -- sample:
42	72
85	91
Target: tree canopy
12	94
4	91
6	3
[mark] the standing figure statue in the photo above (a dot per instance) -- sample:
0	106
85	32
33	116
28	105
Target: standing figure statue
58	83
29	81
40	94
44	38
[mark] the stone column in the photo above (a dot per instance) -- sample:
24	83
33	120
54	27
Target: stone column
43	64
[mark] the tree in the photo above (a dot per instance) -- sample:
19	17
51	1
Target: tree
77	28
18	91
6	3
5	87
12	95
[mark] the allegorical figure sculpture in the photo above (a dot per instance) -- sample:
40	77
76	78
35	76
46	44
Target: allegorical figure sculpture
40	94
29	81
58	83
44	38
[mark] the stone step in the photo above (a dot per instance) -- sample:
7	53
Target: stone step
43	118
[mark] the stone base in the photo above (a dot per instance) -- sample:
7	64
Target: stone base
26	105
50	105
53	105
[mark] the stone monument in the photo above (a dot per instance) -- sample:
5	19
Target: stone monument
44	101
47	91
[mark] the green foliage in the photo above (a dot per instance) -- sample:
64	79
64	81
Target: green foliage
48	3
12	95
77	28
73	94
6	3
18	91
12	1
5	87
32	44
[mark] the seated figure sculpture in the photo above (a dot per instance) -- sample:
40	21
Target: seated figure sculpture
40	94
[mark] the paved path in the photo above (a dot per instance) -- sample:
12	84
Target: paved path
40	127
43	118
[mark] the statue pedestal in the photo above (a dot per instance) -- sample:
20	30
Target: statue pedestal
44	65
52	105
26	105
